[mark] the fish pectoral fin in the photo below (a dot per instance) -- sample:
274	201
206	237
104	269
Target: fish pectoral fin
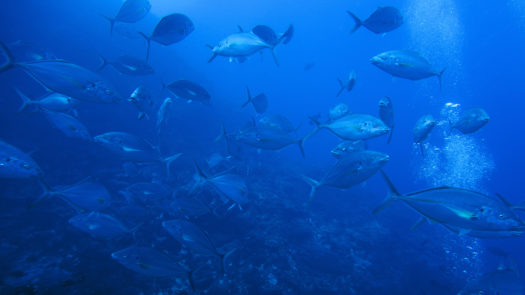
419	223
463	213
404	65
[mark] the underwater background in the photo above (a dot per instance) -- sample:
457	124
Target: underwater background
273	241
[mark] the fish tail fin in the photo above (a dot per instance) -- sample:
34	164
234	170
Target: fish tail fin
440	75
422	148
223	258
314	186
275	57
342	87
103	64
223	133
26	101
214	54
10	58
318	127
148	43
169	160
200	171
285	37
390	135
300	144
46	192
249	98
393	194
111	23
358	22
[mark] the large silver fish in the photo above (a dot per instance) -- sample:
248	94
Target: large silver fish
471	121
131	11
406	64
15	164
353	127
460	209
350	170
66	78
424	126
383	20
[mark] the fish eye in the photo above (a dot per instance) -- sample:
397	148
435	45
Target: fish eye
501	216
7	159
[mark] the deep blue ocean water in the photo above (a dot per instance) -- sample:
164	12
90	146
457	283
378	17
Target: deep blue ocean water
334	245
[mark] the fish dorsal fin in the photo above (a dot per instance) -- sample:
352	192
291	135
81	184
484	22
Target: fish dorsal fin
504	200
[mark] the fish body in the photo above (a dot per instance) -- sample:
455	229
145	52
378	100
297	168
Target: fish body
259	102
268	138
350	170
141	99
338	111
424	126
68	125
15	164
128	146
386	114
348	147
129	65
149	262
471	121
240	45
83	196
99	225
169	30
147	194
354	127
53	101
189	91
405	64
382	20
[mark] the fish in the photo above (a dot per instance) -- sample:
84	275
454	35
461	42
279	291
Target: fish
189	206
169	30
68	125
131	11
28	52
386	114
229	185
350	170
66	78
424	126
353	127
338	111
100	225
243	44
150	262
462	209
85	195
277	122
471	121
267	138
502	281
197	240
348	147
141	99
259	102
128	65
15	164
147	194
133	148
406	64
189	91
161	113
52	101
382	20
348	84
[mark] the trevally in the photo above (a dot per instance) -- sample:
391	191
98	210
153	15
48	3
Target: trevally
350	170
133	148
141	99
259	102
471	121
66	78
462	209
382	20
150	262
100	225
68	125
147	194
131	11
231	186
189	91
128	65
15	164
353	127
424	126
386	114
170	29
197	240
348	147
406	64
53	101
348	84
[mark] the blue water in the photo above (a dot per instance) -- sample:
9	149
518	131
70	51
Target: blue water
333	245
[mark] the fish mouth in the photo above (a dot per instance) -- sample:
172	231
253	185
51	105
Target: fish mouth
383	160
376	60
